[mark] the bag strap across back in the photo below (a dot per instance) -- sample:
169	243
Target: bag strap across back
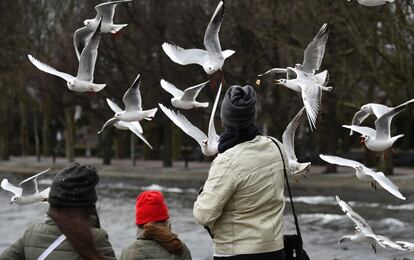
290	193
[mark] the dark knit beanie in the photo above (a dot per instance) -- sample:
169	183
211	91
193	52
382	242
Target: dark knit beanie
238	109
74	187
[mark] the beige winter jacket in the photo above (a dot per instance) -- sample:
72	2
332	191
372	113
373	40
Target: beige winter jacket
242	201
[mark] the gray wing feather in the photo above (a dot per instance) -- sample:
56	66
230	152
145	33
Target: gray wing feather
340	161
88	56
114	107
211	36
312	95
313	54
212	134
29	185
355	217
132	97
383	123
191	93
107	10
80	38
170	88
108	124
288	137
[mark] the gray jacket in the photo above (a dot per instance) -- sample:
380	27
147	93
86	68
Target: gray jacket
38	237
146	249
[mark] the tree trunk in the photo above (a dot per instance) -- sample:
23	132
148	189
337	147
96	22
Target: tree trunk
69	135
24	135
168	142
107	146
46	134
132	149
36	135
332	133
386	164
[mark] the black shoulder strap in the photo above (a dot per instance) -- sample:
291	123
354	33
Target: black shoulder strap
290	194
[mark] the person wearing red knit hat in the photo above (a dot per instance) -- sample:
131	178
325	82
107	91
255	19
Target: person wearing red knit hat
154	237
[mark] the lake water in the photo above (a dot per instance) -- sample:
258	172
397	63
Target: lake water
321	220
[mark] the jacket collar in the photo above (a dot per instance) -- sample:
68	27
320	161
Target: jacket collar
92	219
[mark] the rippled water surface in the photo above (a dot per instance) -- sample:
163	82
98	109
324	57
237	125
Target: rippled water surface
321	221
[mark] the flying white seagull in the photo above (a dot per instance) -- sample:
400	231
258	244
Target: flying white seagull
104	10
373	2
83	82
364	173
27	192
366	110
135	127
380	139
133	109
208	144
302	77
363	231
184	99
212	58
288	139
406	245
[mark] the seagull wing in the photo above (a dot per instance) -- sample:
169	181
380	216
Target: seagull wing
313	54
185	125
212	134
273	72
170	88
29	185
6	185
136	128
107	10
46	68
88	56
211	36
132	97
359	117
114	107
191	93
406	245
80	38
311	96
108	124
383	123
340	161
387	243
355	217
288	137
386	183
363	130
185	57
379	109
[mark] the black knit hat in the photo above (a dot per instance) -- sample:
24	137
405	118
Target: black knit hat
74	187
238	109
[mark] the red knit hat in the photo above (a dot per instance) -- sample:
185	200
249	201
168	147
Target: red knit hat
150	207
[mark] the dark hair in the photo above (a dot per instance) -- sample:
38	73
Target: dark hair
161	233
75	224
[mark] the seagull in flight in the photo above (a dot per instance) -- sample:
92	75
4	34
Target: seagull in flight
302	77
363	231
83	82
379	139
366	110
208	144
373	2
184	99
133	109
27	192
212	58
364	173
106	11
288	139
135	127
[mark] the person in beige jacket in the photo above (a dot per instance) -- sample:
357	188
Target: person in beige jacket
242	201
